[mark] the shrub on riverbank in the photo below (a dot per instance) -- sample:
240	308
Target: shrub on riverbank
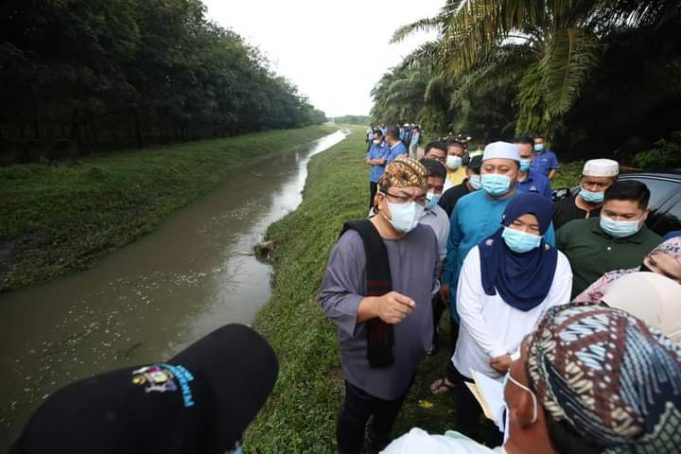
61	218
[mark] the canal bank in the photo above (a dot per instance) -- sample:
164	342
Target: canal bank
300	416
153	297
57	219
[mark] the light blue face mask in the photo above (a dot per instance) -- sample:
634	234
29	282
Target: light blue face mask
475	182
520	242
495	184
620	229
432	199
538	147
591	197
525	165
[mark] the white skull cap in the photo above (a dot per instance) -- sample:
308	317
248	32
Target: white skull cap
601	168
501	150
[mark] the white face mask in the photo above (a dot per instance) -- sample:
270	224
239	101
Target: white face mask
453	162
404	216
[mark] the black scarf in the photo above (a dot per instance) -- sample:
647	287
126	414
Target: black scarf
380	338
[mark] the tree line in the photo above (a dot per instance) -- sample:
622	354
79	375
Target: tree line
594	76
99	74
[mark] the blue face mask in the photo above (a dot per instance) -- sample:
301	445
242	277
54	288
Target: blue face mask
475	182
620	229
432	199
525	165
591	197
495	184
520	242
538	147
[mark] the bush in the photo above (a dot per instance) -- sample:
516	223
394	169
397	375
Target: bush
665	155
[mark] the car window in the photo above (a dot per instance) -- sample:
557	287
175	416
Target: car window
671	220
660	190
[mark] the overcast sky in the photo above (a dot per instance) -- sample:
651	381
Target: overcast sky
333	50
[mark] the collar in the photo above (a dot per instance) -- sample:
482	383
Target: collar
396	144
637	237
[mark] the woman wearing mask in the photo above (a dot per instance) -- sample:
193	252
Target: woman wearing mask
507	283
665	259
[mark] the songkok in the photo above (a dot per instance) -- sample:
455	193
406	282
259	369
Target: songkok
501	150
601	168
615	381
653	298
404	172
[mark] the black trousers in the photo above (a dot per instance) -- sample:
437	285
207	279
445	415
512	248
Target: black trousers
469	413
354	415
373	187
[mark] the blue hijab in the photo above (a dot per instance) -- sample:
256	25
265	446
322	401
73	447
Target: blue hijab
522	280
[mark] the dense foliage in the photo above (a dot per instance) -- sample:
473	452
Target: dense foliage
113	73
592	75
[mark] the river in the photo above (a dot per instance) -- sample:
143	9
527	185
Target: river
150	299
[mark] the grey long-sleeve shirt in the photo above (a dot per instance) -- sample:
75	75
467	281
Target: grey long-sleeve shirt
413	267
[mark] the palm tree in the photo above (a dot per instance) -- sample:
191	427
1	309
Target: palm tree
562	38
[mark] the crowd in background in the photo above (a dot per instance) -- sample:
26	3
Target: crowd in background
571	304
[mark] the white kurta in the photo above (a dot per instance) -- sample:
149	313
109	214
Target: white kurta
489	327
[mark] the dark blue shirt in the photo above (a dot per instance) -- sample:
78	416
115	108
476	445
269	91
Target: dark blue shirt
379	151
542	163
395	151
535	182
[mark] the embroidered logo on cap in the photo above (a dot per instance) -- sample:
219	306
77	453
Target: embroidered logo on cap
164	377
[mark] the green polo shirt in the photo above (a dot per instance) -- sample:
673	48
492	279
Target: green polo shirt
592	252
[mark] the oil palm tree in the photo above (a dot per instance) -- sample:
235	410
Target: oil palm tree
563	39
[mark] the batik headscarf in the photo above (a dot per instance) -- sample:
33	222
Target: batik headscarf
404	172
613	379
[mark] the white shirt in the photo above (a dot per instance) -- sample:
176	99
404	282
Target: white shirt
436	218
418	441
489	327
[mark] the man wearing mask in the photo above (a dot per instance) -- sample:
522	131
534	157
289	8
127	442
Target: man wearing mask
377	290
437	219
619	239
475	217
470	184
528	179
544	162
597	176
376	157
456	171
396	147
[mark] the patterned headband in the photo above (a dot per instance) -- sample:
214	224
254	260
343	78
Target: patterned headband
605	373
404	172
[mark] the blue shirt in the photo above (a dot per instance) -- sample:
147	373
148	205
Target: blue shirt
396	150
379	151
535	182
475	217
542	163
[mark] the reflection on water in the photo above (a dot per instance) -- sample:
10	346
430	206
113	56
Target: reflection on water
155	296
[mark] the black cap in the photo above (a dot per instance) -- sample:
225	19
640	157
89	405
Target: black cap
200	401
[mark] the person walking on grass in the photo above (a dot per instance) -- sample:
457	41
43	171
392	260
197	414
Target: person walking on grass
377	290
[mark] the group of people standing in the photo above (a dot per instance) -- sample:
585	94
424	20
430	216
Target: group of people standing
532	288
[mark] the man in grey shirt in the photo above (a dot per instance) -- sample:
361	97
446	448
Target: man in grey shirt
413	257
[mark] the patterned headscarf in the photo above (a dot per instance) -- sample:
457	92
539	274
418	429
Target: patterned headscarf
613	379
403	172
670	247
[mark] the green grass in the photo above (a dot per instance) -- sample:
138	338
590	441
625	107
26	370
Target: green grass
568	175
301	413
57	219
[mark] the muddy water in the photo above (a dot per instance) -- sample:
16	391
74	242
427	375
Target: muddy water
155	296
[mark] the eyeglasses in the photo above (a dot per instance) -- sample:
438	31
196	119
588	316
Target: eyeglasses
509	378
421	200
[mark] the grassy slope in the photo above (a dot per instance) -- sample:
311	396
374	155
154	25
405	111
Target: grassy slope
300	415
60	218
